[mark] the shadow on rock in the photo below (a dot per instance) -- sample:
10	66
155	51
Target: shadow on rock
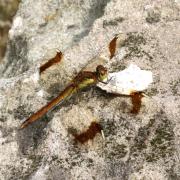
31	137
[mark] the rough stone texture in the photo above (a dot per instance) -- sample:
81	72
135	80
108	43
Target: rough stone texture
7	10
143	146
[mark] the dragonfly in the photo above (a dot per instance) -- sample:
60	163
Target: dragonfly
82	80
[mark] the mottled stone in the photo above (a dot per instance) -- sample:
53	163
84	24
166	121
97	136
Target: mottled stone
142	146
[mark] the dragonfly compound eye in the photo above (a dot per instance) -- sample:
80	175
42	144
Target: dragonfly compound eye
101	72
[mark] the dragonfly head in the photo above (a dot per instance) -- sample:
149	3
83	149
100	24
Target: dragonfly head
102	73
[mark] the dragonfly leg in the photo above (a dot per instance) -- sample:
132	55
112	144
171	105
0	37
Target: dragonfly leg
106	81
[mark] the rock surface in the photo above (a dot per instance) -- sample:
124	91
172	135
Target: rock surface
142	146
8	9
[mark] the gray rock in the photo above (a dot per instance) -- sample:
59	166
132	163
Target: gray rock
142	146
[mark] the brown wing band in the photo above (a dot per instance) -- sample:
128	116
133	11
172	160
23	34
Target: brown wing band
90	133
112	47
51	62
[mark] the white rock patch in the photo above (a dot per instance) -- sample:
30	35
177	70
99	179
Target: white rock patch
130	80
16	27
